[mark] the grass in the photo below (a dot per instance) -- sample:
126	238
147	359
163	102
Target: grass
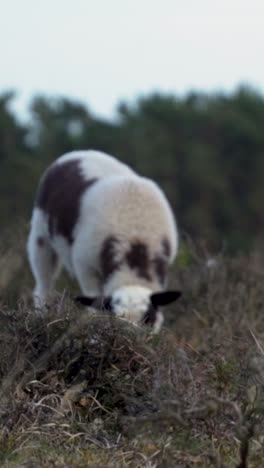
81	390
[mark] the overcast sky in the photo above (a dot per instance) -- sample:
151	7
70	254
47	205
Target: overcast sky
104	51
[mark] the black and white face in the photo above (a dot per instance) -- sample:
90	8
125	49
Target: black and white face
136	304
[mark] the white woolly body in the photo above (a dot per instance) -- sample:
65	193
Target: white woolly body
120	204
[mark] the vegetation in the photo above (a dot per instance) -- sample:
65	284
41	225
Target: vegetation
206	151
100	392
95	391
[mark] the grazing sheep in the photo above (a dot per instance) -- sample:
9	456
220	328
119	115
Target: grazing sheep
111	229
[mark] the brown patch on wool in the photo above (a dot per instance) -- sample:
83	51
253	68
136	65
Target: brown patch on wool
161	269
160	261
59	195
108	261
166	247
138	259
40	241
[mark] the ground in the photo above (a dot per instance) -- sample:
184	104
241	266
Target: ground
79	390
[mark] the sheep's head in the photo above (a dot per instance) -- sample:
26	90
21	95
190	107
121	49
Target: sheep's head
134	303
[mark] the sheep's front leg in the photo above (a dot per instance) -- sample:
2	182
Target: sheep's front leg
88	280
45	267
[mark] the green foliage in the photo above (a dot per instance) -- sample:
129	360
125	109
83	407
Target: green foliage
206	151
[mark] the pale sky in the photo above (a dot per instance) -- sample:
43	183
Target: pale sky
104	51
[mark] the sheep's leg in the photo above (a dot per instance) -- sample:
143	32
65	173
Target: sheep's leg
85	271
45	268
88	281
44	264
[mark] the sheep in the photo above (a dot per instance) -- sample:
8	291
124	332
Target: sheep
111	229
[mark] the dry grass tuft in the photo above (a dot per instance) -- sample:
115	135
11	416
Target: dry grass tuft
78	389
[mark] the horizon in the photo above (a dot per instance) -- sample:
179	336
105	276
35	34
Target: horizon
23	112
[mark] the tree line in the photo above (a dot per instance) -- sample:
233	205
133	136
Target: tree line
205	150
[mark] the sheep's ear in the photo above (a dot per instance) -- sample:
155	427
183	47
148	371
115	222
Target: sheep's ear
84	300
97	302
164	298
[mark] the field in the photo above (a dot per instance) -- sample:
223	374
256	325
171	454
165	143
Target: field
79	390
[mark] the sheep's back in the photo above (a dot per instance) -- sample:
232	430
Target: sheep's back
130	209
